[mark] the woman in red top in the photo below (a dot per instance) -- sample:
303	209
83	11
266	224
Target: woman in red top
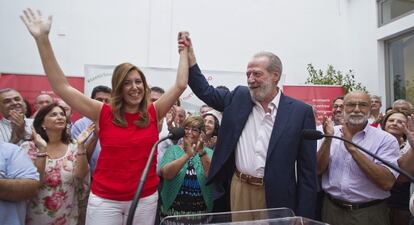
127	130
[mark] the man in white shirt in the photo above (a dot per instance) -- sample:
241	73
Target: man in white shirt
14	127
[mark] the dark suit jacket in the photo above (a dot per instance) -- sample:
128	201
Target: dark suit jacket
286	147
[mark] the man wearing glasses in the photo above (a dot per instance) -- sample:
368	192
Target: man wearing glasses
356	184
337	111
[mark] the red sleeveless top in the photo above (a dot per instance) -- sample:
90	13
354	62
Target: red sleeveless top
124	153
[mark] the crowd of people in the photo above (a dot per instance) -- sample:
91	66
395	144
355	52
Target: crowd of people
244	150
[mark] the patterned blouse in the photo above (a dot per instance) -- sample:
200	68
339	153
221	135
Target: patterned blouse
57	200
186	193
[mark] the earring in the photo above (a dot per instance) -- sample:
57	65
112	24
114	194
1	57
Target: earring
44	128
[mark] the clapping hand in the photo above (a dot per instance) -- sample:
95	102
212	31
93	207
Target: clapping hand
347	135
199	146
170	116
40	143
408	129
189	147
34	22
85	134
328	126
17	120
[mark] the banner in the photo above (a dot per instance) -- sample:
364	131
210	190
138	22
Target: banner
320	97
30	86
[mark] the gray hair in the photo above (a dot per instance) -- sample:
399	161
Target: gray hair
4	90
274	62
376	97
402	101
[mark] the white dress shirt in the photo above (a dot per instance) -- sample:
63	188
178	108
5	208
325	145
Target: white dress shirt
254	140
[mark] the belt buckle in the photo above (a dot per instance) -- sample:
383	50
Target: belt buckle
258	183
251	181
242	178
350	206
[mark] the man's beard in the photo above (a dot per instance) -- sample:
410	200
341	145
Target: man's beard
259	94
356	119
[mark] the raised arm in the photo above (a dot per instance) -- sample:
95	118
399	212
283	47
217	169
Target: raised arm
167	100
39	29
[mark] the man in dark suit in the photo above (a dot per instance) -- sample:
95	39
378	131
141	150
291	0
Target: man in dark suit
259	142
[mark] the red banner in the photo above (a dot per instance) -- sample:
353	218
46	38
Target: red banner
319	96
30	86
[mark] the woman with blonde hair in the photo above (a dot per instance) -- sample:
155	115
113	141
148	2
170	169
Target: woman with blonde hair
127	130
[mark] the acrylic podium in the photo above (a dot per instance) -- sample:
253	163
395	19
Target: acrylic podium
276	216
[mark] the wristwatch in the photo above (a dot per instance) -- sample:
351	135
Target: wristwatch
202	154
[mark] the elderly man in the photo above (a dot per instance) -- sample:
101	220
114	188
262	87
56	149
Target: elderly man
356	184
259	143
14	126
375	115
19	181
42	100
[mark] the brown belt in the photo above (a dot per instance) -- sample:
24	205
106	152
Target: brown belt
249	179
352	206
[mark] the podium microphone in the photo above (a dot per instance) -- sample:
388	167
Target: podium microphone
175	134
311	134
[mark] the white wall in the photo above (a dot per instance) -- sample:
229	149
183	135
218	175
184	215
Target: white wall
225	35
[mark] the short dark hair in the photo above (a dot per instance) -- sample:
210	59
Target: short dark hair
157	89
40	117
339	97
100	88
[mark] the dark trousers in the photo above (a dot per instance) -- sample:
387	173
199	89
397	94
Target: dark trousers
372	215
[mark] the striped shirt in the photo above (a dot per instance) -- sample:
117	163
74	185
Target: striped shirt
6	129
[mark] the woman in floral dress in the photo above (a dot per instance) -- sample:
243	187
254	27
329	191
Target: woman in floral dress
61	164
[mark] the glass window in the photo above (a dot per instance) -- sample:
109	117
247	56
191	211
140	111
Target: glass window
400	54
391	9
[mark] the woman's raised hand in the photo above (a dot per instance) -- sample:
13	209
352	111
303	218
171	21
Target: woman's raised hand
408	129
85	134
40	143
34	22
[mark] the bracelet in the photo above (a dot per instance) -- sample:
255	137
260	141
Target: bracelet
202	154
81	153
41	154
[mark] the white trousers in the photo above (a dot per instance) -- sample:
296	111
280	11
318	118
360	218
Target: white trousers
109	212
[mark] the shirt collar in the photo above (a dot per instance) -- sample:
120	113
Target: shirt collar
274	104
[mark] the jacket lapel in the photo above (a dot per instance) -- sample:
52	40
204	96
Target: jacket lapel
282	119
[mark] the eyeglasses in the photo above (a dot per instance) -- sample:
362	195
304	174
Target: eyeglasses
192	129
353	105
338	106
